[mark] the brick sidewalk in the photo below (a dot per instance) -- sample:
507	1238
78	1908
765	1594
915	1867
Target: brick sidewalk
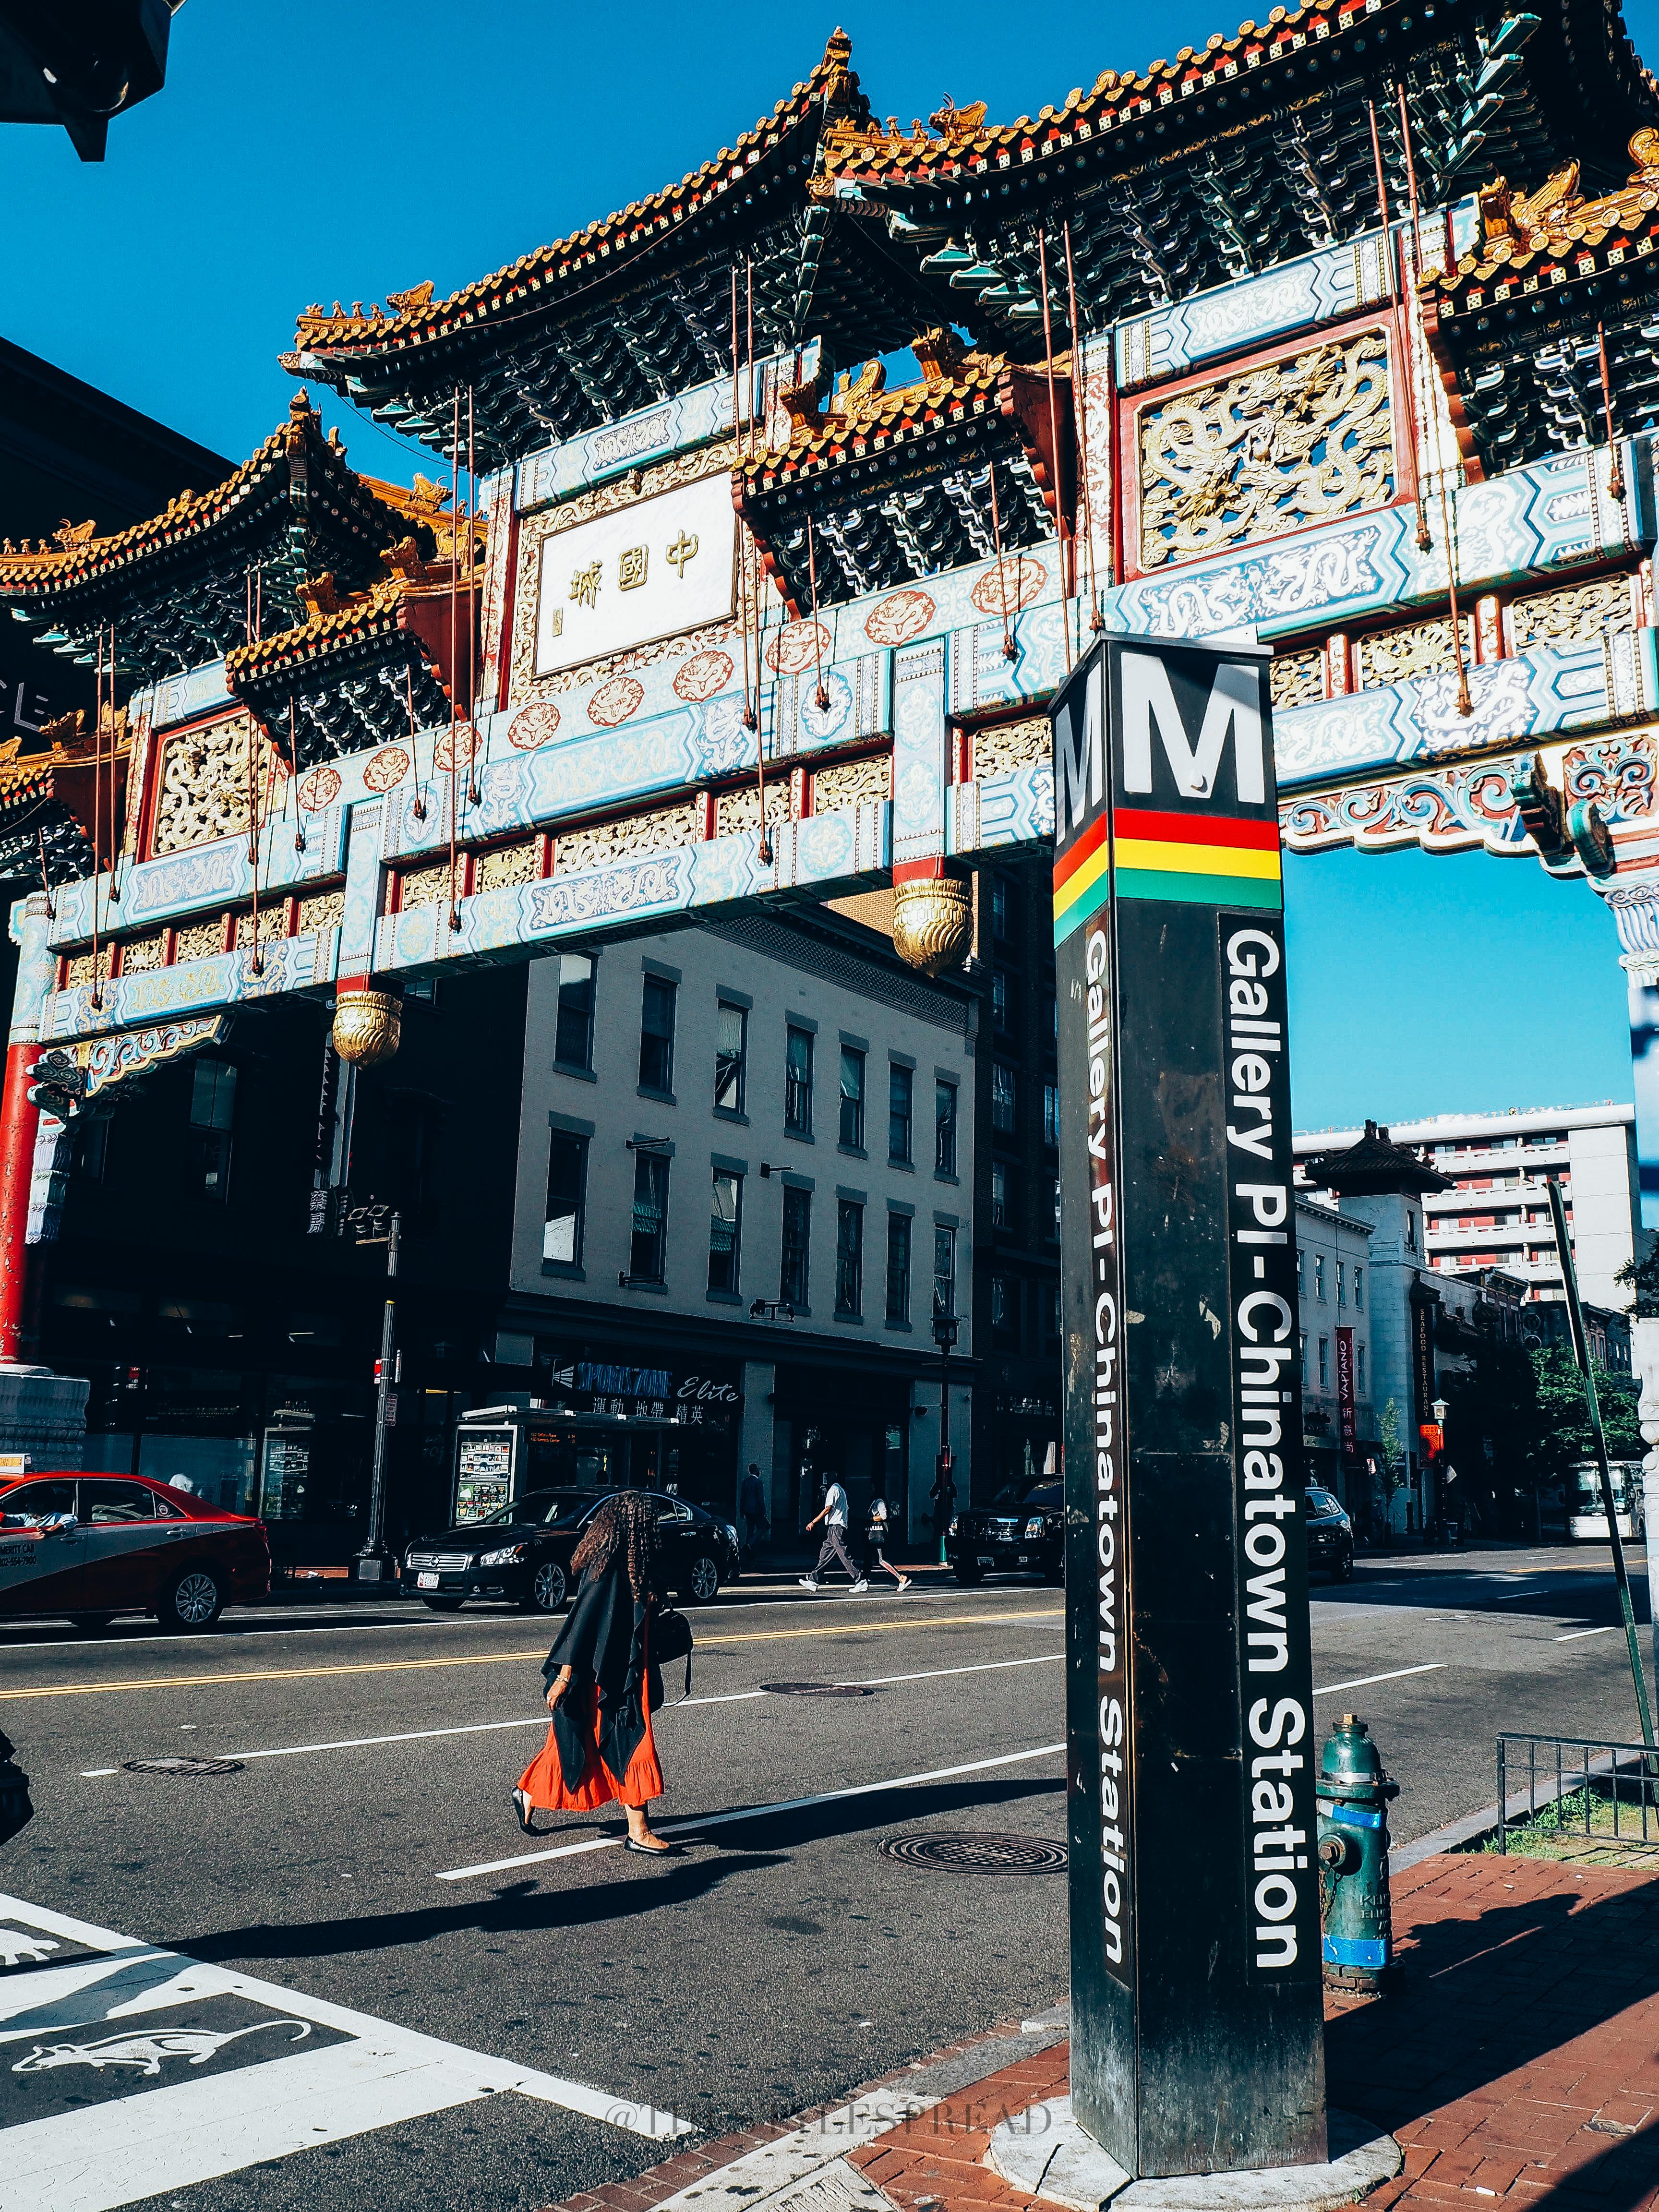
1516	2063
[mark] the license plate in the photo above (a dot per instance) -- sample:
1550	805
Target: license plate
426	1581
1025	1559
985	1560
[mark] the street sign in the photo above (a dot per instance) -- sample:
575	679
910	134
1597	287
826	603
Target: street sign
1196	2029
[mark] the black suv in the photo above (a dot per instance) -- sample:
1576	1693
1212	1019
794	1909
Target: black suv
1330	1536
1023	1533
522	1553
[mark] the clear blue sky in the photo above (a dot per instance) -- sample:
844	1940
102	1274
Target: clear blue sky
302	151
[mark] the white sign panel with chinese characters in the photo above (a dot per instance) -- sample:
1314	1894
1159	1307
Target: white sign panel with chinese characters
648	571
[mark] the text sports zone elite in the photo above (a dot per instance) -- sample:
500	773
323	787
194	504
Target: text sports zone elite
1196	2031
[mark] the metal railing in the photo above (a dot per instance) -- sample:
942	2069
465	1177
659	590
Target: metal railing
1580	1785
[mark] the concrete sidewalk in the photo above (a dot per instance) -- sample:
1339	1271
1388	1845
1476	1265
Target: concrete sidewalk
1516	2063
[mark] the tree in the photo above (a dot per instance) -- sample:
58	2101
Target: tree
1562	1437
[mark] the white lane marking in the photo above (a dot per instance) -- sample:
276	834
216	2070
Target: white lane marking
1364	1681
132	2146
1578	1634
536	1720
695	1825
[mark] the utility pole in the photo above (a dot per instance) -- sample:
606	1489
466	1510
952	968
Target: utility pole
370	1564
944	1335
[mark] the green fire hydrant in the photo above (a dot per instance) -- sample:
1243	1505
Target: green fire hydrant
1353	1798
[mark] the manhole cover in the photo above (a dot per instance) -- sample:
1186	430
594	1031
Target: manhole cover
817	1690
181	1766
975	1850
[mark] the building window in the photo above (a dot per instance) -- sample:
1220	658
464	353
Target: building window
1301	1355
1002	1098
657	1036
1301	1271
901	1093
648	1249
999	1195
212	1118
1001	917
798	1083
573	1037
1341	1283
1359	1289
1324	1363
1051	1113
1410	1230
849	1257
566	1195
944	1271
1051	1314
944	1129
1359	1369
1001	1302
731	1056
898	1269
1319	1275
852	1098
1054	1232
797	1247
999	1001
724	1210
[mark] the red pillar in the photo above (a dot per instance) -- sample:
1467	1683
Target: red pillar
18	1120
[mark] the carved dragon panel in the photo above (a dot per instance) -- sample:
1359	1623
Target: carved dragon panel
202	791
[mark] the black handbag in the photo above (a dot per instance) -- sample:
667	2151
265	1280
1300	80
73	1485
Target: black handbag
17	1810
671	1639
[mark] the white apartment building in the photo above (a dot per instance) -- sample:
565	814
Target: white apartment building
1496	1212
745	1188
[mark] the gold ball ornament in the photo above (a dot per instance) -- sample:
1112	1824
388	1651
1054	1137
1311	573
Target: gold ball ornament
933	923
368	1026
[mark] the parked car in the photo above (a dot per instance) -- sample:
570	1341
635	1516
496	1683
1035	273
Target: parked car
1022	1533
1330	1536
93	1546
522	1553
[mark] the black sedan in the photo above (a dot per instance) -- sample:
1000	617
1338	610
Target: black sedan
1330	1536
522	1553
1023	1533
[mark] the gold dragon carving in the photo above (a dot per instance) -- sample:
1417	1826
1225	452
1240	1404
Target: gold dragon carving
203	787
1295	442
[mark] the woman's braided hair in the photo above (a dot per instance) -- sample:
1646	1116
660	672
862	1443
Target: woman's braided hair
625	1523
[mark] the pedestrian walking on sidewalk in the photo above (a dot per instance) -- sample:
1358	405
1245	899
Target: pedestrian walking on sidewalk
833	1550
876	1529
751	1503
602	1686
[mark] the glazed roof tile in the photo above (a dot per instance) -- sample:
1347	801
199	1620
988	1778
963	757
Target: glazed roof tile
79	556
331	623
1521	235
418	317
863	418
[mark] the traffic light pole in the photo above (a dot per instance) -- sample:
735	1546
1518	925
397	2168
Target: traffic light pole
372	1559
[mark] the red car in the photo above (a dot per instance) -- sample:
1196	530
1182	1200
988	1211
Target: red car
92	1545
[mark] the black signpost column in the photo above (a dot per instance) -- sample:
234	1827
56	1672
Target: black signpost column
1197	2044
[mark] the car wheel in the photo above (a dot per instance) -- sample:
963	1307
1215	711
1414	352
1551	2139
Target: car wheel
1056	1572
547	1588
91	1620
969	1576
1343	1569
446	1604
192	1603
702	1585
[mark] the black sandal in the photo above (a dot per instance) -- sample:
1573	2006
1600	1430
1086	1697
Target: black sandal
522	1809
652	1850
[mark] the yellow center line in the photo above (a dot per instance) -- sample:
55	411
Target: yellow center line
508	1658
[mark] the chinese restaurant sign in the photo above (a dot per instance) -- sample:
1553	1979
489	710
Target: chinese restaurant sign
1196	2035
648	571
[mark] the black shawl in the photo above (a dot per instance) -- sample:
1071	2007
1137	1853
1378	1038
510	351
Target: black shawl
603	1642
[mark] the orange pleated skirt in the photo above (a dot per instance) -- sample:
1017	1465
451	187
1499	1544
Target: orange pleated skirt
543	1781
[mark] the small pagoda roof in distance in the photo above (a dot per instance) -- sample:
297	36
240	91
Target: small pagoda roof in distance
1376	1167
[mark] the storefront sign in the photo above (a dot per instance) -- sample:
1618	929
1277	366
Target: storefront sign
655	1394
1196	2040
1347	1415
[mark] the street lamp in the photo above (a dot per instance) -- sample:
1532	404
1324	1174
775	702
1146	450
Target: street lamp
944	1335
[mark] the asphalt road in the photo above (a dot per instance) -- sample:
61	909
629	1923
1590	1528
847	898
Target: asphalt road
779	1962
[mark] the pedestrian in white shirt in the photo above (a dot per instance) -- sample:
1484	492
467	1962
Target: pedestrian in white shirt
833	1514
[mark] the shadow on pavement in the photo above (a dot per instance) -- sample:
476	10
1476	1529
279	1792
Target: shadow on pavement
519	1907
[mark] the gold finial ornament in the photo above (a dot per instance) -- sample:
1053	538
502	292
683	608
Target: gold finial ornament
368	1026
933	923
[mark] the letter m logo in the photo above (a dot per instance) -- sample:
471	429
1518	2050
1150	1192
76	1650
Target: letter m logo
1234	706
1079	753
